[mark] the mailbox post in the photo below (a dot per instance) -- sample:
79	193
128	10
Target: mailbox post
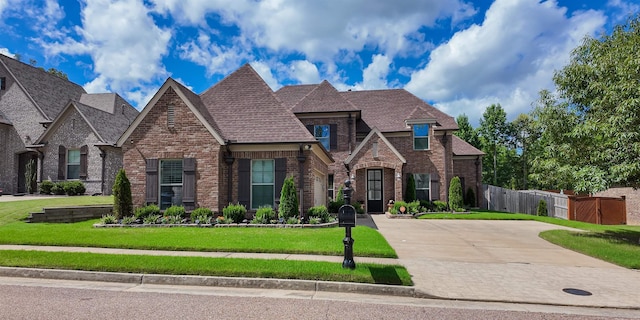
347	219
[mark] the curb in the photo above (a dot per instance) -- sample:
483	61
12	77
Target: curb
211	281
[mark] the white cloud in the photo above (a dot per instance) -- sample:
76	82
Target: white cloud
6	52
507	59
124	43
625	9
305	72
215	58
263	69
374	76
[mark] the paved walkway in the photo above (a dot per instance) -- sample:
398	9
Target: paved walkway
504	261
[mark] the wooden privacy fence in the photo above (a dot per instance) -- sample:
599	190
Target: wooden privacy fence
526	201
599	210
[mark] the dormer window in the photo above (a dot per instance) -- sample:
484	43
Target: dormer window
322	133
421	137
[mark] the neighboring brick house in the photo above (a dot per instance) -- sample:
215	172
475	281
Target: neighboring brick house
57	124
238	140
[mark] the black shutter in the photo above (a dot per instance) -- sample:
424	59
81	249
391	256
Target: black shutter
281	174
152	182
244	182
62	161
333	136
84	150
435	186
310	127
189	183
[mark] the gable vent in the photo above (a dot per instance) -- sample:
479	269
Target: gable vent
171	116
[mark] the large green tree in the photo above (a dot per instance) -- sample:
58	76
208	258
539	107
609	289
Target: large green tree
466	132
600	91
494	132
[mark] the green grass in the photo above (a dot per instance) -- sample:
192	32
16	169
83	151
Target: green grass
618	244
260	268
18	210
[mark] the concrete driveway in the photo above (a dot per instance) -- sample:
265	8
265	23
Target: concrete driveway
504	261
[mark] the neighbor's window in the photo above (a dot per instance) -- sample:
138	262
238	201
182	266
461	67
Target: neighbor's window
73	164
421	137
170	183
322	133
262	183
422	186
330	187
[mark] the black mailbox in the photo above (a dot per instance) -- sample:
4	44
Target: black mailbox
347	216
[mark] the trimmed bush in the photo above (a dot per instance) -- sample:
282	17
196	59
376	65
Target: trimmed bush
410	192
358	206
426	205
46	186
264	215
334	206
439	206
148	210
234	213
542	208
455	195
293	220
288	207
122	201
319	212
201	216
470	198
174	211
73	188
58	188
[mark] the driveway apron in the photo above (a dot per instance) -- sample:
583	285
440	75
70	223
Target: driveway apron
504	261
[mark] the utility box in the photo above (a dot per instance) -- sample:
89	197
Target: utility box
347	216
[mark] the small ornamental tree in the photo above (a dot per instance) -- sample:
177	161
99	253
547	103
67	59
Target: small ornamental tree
122	203
288	207
410	193
542	208
455	195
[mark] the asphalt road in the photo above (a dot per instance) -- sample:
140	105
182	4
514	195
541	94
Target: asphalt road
55	299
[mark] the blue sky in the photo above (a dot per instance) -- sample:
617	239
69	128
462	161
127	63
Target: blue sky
460	56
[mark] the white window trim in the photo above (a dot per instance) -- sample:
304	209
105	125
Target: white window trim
328	137
160	184
413	136
74	164
273	184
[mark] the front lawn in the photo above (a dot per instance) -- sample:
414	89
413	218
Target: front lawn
18	210
257	268
618	244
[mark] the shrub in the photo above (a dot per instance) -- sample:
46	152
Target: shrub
288	207
413	207
147	210
470	198
151	219
334	206
396	207
46	186
455	195
358	207
58	188
129	220
122	201
542	208
410	192
108	219
234	213
439	206
340	195
72	188
222	220
314	220
264	215
426	205
292	220
319	212
174	211
175	219
201	215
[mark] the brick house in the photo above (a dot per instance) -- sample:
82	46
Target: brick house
238	140
70	134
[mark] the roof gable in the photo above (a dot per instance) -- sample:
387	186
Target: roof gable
360	148
248	111
323	98
460	147
190	99
49	93
289	95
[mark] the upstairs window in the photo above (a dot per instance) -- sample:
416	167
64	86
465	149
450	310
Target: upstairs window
323	134
420	137
73	164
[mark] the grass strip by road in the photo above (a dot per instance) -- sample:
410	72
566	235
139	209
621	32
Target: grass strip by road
618	244
204	266
322	241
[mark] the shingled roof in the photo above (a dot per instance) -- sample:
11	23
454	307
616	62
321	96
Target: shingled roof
463	148
323	98
248	111
289	95
49	92
387	110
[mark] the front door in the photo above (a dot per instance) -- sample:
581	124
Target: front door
374	190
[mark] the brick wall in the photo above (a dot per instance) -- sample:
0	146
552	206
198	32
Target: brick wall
187	139
466	168
632	201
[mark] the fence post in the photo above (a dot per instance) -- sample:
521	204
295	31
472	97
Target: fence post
598	212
